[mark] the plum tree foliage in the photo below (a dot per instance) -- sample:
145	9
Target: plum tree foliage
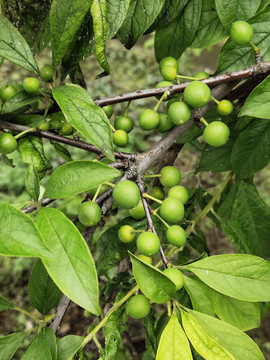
193	305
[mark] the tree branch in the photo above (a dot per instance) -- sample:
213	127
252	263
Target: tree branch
62	139
32	208
259	68
59	313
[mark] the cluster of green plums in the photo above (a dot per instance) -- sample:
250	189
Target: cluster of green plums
196	95
126	195
123	125
8	142
30	85
171	210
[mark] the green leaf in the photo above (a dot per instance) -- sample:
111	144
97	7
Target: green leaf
230	11
214	335
210	30
251	151
86	117
234	57
225	206
199	295
19	103
150	335
9	344
241	314
141	14
7	161
32	183
32	22
32	152
66	17
14	47
257	103
264	4
50	338
5	304
253	216
43	292
82	46
216	159
152	282
73	178
61	150
168	14
77	77
73	269
68	346
236	234
243	277
173	344
198	242
100	26
113	329
116	13
19	235
110	249
206	346
178	35
38	349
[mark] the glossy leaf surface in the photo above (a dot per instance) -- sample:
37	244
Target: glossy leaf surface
173	344
19	235
244	277
73	269
43	292
14	47
76	177
152	282
86	117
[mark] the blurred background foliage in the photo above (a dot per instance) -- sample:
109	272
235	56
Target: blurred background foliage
130	70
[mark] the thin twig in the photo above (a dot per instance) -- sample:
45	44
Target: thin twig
59	313
258	68
151	225
62	139
32	208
